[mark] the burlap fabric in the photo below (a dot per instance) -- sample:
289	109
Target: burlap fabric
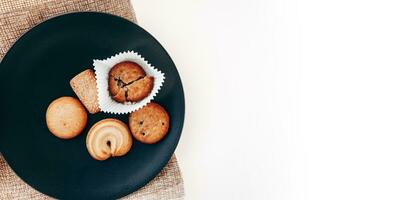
16	17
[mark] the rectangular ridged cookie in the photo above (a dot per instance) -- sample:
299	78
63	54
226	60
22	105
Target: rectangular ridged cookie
84	85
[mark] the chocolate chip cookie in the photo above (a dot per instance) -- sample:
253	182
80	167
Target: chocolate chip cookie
149	124
128	82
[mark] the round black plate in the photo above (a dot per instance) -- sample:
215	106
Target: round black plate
37	70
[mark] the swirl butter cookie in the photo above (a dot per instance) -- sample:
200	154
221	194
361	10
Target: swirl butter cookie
149	124
66	117
108	138
128	82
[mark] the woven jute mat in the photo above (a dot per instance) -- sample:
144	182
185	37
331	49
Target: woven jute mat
18	16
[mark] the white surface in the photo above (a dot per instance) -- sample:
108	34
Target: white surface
290	99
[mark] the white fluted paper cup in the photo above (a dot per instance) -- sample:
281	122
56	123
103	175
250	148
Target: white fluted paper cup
102	69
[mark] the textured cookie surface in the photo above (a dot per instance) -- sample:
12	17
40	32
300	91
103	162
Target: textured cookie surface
66	117
84	85
108	138
128	82
149	124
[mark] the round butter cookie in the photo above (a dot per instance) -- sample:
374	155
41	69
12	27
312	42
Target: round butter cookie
66	117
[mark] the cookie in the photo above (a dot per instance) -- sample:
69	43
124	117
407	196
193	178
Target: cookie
108	138
66	117
128	82
84	85
149	124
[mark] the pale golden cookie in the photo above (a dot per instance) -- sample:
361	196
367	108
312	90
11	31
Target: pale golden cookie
149	124
128	82
108	138
66	117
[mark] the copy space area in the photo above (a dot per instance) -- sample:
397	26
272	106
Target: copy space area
290	99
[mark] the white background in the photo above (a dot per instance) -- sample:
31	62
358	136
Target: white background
290	99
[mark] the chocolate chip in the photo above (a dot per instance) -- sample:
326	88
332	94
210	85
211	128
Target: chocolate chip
143	133
140	123
126	93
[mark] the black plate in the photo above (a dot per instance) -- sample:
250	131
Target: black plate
37	70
